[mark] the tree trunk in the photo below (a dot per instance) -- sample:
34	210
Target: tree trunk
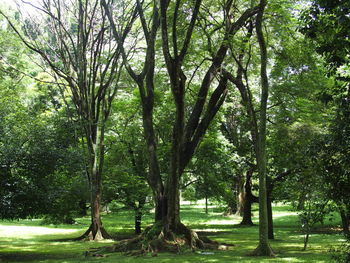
270	186
240	196
138	220
95	134
270	217
138	215
154	177
206	203
306	239
263	248
173	214
96	231
248	199
345	219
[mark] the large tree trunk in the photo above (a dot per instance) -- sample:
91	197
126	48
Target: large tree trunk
154	177
176	166
248	199
345	219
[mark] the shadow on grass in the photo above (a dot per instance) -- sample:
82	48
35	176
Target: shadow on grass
34	257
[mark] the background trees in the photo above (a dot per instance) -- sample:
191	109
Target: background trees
326	23
77	46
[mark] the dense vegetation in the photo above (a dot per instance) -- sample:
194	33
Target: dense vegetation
152	103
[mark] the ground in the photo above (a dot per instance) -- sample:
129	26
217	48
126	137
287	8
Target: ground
28	241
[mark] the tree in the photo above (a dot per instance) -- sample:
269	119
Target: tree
237	128
77	45
258	122
209	174
326	23
187	134
126	161
190	122
40	163
264	247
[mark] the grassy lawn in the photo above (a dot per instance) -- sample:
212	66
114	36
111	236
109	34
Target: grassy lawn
28	241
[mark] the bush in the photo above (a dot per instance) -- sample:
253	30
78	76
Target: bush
341	254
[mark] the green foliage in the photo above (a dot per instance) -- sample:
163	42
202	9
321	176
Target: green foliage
39	156
327	22
341	253
210	172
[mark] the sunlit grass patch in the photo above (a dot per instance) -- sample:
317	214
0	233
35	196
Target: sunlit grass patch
27	232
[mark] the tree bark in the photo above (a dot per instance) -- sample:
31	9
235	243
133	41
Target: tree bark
206	203
345	219
270	186
263	248
240	195
270	217
95	136
138	215
186	137
248	199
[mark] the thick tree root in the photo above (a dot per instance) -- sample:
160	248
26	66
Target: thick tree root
265	250
156	238
94	234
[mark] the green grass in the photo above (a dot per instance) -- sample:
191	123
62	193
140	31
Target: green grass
28	241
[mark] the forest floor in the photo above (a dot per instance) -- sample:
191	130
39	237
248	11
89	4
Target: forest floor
30	241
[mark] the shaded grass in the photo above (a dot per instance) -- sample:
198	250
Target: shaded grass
28	241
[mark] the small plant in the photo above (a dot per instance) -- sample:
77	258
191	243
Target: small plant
313	212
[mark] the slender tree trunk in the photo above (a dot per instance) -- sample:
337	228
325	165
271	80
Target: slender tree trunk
240	195
306	239
206	203
270	217
263	248
269	208
95	135
138	220
138	215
